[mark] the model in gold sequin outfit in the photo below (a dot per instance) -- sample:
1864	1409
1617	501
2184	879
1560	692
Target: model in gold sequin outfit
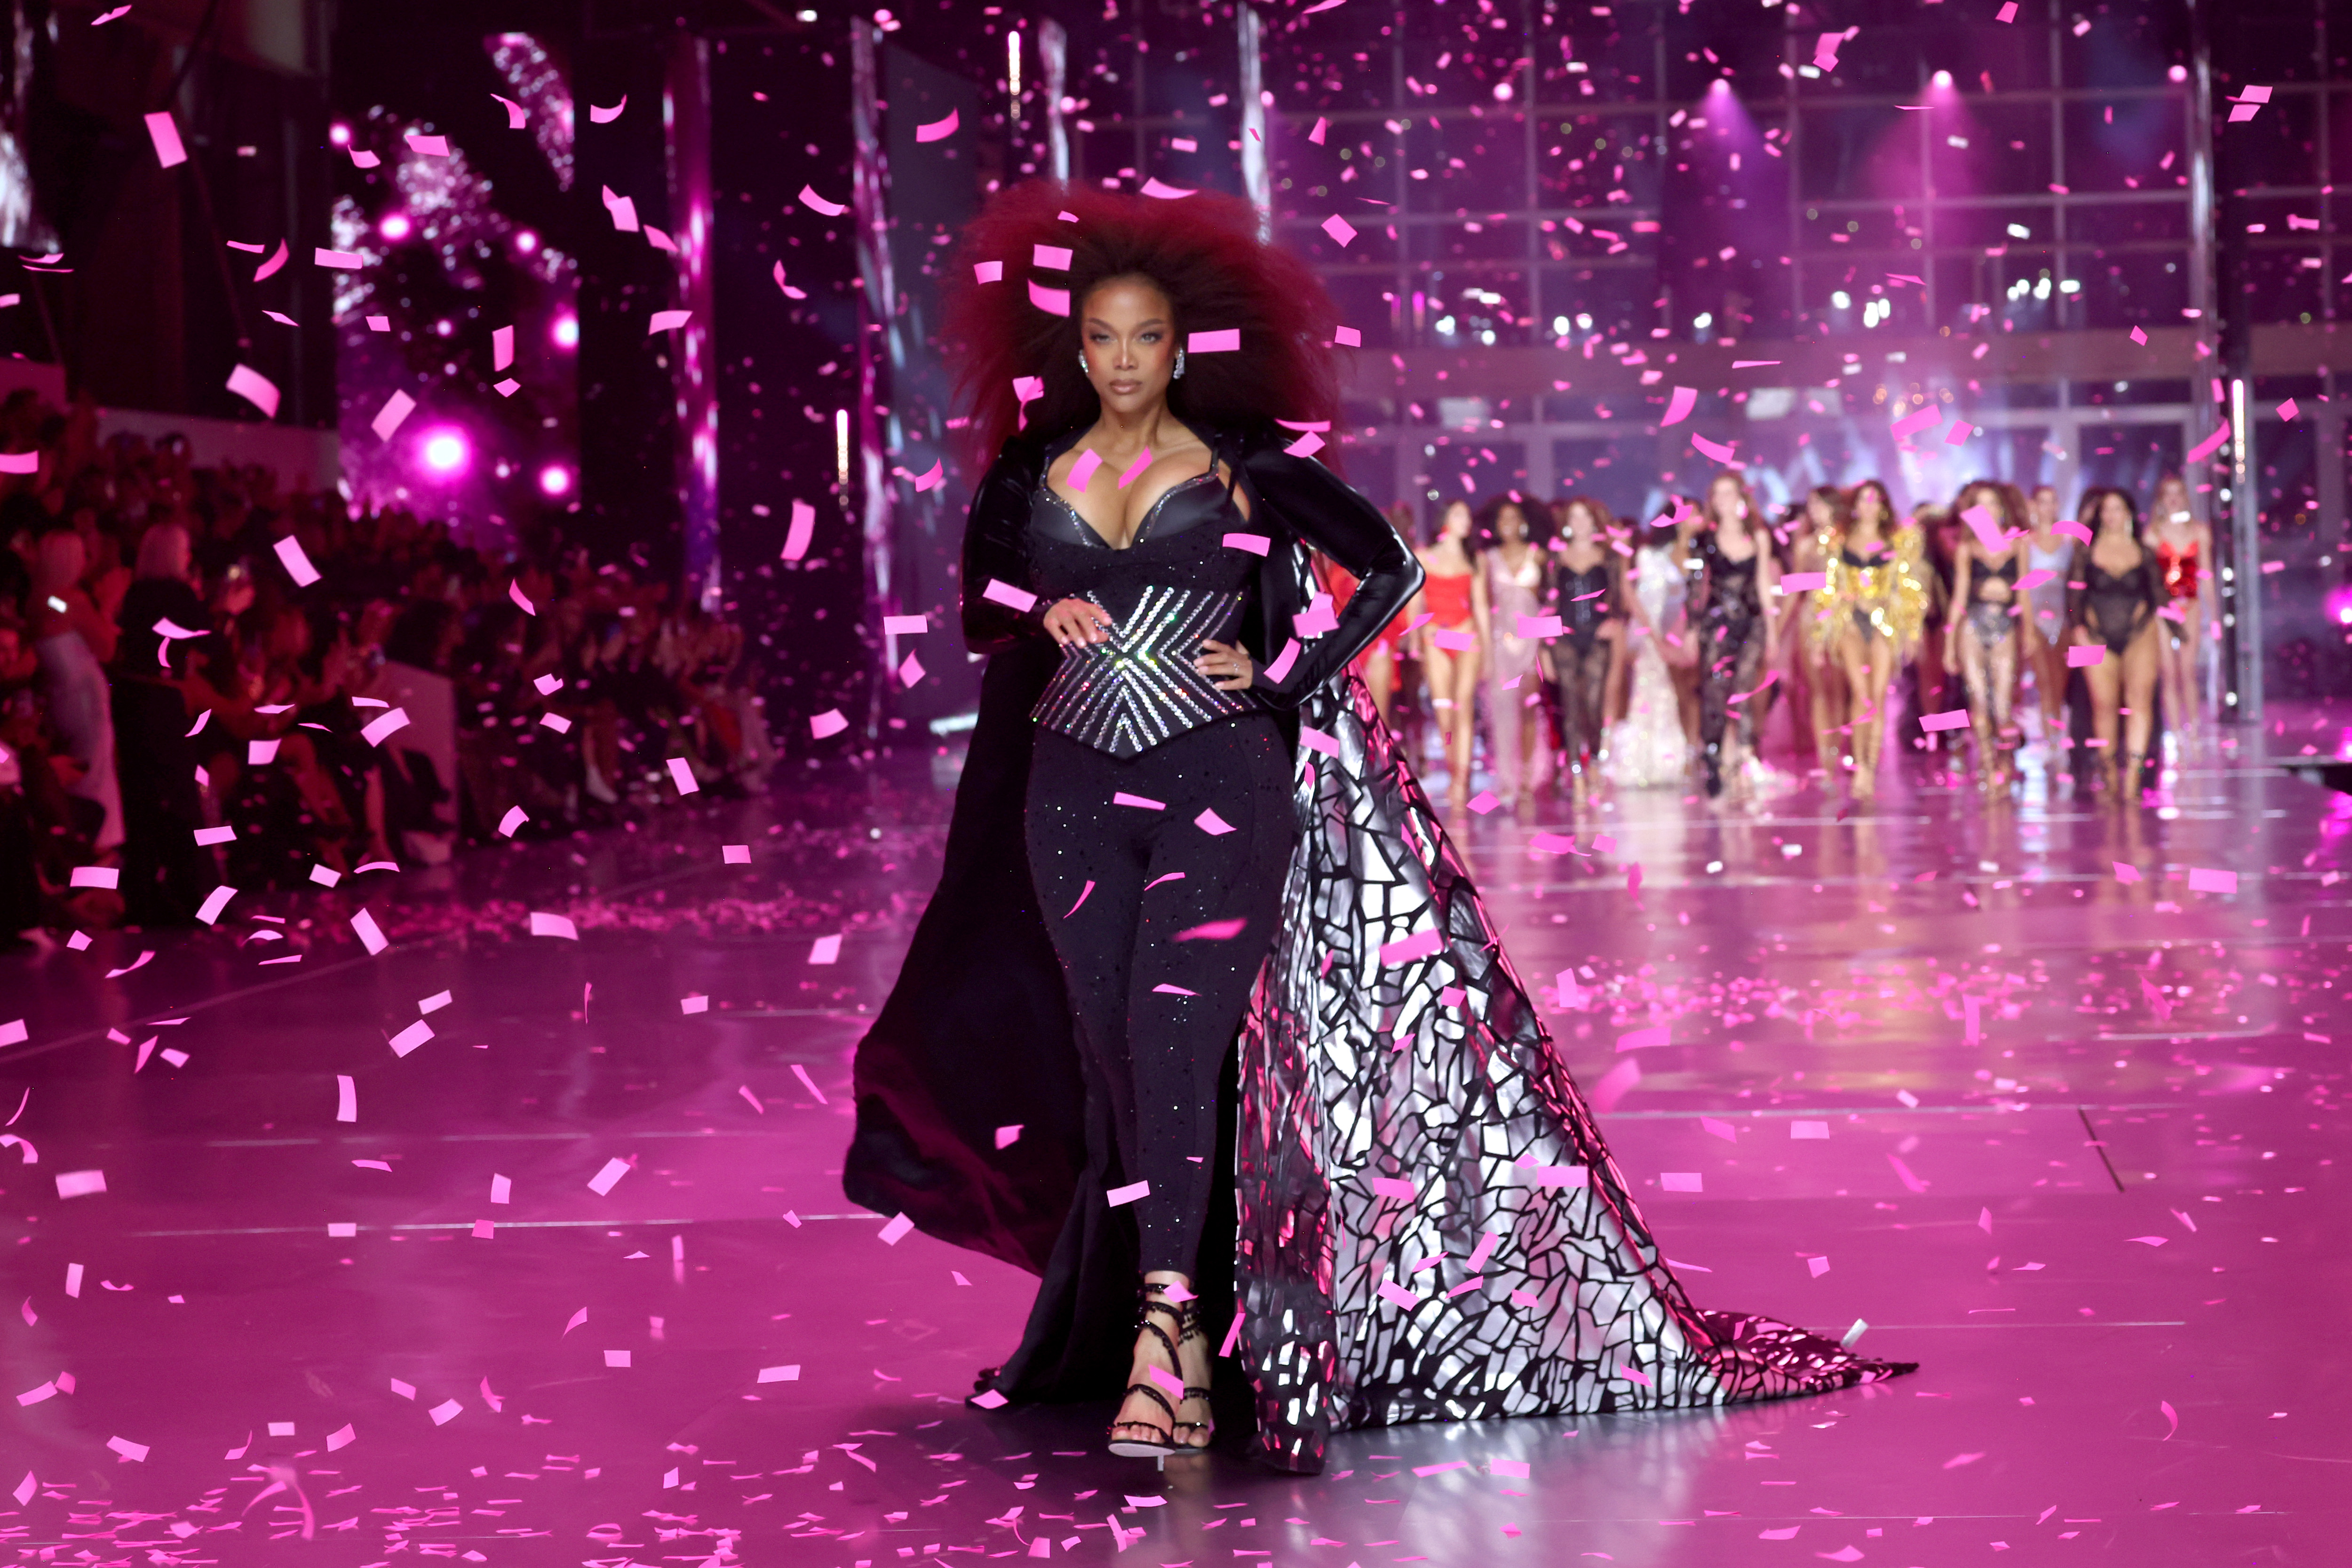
1867	615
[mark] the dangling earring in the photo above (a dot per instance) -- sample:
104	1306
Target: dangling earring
1084	368
1178	373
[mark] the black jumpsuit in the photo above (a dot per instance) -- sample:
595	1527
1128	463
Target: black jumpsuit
1731	648
1160	818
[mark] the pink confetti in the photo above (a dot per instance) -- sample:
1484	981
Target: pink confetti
1953	719
1340	230
1209	823
1404	950
826	724
1679	405
1717	450
2083	658
600	115
1054	301
1227	339
164	133
937	130
1118	1196
814	202
255	388
1141	802
2202	880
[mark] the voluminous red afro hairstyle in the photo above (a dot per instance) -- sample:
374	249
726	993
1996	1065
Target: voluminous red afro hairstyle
1203	253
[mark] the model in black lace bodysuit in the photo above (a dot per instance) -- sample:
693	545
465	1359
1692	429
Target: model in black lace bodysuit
1732	641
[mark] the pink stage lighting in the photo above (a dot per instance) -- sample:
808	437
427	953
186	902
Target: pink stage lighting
565	331
445	451
554	480
395	226
2339	605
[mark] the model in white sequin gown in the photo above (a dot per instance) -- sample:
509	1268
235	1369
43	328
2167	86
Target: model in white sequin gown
1648	746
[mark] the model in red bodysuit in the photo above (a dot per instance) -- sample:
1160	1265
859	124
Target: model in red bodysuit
2179	569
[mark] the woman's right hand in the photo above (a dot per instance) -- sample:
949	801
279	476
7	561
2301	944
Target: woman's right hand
1077	621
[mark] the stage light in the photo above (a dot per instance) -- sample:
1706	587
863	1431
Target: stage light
1703	320
445	451
1941	79
340	135
1842	300
565	331
395	226
554	480
2178	73
526	241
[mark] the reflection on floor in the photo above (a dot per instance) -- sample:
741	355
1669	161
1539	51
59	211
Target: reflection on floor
2022	1087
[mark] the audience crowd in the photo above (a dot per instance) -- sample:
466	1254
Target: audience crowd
176	710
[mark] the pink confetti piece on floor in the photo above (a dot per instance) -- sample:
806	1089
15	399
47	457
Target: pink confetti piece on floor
80	1184
1483	802
1679	404
790	1374
134	1452
410	1037
347	1101
603	1183
1903	1173
938	130
809	1083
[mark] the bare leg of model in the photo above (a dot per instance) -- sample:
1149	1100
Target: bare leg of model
2139	682
2104	681
1379	679
1870	728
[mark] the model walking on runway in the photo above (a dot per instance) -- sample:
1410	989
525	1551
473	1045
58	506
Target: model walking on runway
1736	615
2043	625
1979	632
1589	590
1867	615
1451	650
2114	611
1513	583
2184	547
1254	949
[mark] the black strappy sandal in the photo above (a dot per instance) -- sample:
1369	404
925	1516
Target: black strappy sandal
1187	1319
1127	1447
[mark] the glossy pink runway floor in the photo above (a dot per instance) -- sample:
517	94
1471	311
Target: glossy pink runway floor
572	1281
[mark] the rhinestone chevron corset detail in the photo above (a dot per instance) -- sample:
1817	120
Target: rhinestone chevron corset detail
1129	693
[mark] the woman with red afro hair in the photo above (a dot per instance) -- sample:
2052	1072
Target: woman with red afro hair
1204	987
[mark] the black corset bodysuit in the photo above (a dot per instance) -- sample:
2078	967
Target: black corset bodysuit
1584	603
1176	584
